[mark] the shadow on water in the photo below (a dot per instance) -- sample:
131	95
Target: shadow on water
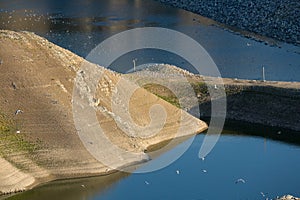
81	25
271	113
238	128
83	188
89	188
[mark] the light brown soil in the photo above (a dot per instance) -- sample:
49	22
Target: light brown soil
268	103
38	77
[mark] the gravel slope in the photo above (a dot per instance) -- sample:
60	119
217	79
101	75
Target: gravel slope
278	19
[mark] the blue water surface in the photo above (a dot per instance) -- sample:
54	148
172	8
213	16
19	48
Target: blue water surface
269	168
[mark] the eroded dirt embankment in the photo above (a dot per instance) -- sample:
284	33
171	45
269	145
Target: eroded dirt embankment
268	103
41	143
38	78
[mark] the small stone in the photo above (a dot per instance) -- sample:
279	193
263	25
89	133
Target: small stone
13	84
288	197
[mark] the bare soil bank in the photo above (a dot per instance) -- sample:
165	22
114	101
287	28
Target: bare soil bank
38	78
273	104
41	143
269	103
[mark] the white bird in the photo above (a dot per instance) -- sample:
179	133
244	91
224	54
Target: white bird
216	86
18	112
262	194
147	183
240	180
279	132
18	131
177	172
83	186
248	44
203	158
204	171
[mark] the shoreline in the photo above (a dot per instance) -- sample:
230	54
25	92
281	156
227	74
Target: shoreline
272	19
80	181
238	90
271	103
42	142
51	93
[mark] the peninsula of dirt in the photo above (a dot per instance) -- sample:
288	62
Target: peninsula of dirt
39	141
45	131
269	103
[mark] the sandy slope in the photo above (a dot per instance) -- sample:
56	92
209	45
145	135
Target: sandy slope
270	103
12	178
38	78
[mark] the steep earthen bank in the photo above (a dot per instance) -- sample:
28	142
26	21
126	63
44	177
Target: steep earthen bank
38	78
268	103
41	143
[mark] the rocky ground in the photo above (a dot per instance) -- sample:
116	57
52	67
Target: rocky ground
268	103
288	197
278	19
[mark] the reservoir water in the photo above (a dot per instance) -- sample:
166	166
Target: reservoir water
268	167
81	25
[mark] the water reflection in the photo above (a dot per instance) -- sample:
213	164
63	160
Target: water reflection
73	189
243	151
81	25
268	133
82	16
261	162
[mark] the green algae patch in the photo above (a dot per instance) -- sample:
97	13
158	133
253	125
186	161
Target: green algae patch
12	142
163	93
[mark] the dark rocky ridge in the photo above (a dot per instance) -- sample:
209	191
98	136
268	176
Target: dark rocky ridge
260	104
269	103
278	19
